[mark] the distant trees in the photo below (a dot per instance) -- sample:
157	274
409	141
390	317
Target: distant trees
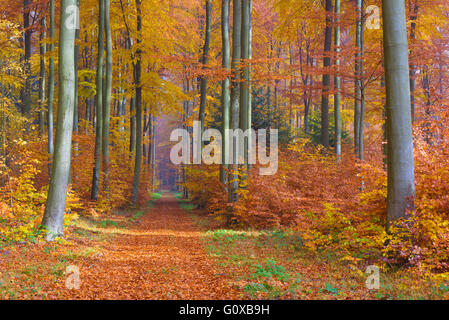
295	59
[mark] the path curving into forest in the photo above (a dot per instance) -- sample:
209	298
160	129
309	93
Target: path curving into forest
160	257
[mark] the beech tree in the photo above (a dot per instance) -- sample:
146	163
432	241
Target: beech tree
107	89
337	96
99	101
245	107
204	61
51	83
225	98
53	219
138	85
326	76
401	178
235	95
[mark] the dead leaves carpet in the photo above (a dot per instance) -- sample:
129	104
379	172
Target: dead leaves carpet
162	257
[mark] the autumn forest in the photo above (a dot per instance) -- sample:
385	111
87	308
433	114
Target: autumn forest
224	150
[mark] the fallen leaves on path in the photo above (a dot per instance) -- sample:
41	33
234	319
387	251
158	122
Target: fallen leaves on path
161	257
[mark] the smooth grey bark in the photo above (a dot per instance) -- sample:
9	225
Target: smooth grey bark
188	128
250	55
77	54
235	95
204	61
51	85
153	155
99	103
361	135
75	108
225	94
337	97
138	85
150	139
53	220
42	76
401	179
326	77
107	95
245	84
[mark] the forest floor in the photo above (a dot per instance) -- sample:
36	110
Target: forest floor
171	251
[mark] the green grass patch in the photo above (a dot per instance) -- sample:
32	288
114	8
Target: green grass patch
137	215
187	206
108	224
156	196
226	236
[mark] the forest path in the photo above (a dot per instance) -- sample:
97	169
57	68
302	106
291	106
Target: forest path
160	257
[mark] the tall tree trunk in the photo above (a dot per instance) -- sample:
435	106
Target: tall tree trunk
108	91
26	103
245	85
413	18
361	134
153	155
358	81
138	85
77	54
250	55
204	61
384	125
337	114
2	127
42	75
51	84
225	97
326	76
235	95
401	180
99	103
150	139
53	220
132	128
75	108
